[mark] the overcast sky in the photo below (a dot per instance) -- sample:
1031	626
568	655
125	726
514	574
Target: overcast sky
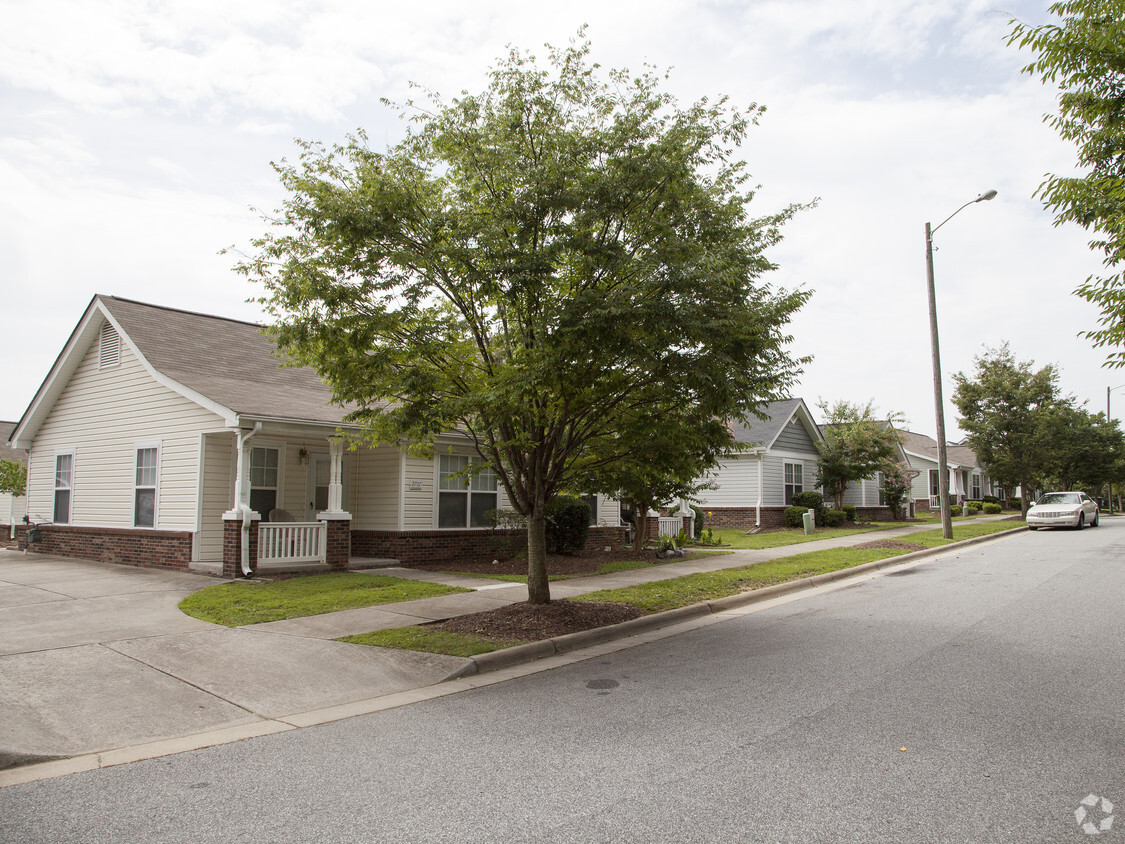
136	140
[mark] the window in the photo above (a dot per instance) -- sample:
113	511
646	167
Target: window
144	487
935	490
879	485
463	501
974	489
263	480
794	480
592	500
64	486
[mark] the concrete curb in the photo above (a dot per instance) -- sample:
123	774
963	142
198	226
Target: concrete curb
495	660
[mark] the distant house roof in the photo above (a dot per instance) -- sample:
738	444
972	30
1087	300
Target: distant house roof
763	432
959	456
6	451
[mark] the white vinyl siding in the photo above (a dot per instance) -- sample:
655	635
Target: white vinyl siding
418	506
103	413
376	484
737	482
218	493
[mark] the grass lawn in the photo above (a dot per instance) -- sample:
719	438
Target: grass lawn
683	591
248	602
605	568
740	540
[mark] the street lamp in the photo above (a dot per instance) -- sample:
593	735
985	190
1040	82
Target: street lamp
943	457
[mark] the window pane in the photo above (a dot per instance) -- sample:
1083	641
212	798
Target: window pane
485	479
481	503
62	507
448	464
144	510
263	467
263	500
798	474
64	464
788	473
146	467
451	509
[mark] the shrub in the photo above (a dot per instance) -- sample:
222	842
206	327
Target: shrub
974	506
697	522
795	516
990	499
811	501
1015	503
991	507
834	518
568	522
849	512
509	533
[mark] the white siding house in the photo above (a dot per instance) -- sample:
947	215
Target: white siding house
12	507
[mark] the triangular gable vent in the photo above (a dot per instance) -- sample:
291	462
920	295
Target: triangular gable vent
109	347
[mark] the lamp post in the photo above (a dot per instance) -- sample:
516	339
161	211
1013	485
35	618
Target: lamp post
943	457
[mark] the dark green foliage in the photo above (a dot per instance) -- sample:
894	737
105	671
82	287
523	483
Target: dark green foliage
568	523
811	501
974	506
856	445
834	518
795	516
991	508
849	512
990	499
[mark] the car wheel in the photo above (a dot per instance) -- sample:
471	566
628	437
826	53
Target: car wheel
1096	520
1033	527
1081	521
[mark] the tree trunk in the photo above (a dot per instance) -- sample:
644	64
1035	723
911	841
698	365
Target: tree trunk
538	587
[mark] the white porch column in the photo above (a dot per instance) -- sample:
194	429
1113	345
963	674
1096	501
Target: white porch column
242	476
335	509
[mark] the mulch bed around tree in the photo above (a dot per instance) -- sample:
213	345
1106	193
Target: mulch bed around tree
530	623
892	543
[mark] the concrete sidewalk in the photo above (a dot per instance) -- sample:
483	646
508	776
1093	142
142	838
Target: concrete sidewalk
98	663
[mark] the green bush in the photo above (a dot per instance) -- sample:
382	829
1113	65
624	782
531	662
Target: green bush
811	501
974	506
849	512
1015	503
795	516
697	522
568	522
834	518
990	499
991	507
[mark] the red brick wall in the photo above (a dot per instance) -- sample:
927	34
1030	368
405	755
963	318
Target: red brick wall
742	518
232	547
339	545
165	549
420	546
874	514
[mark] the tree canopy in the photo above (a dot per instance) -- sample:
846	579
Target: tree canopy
856	445
13	477
1084	55
1004	407
544	266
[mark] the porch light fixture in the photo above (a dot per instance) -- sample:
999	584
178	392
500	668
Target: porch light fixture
943	457
303	456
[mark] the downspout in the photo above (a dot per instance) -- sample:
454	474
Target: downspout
243	507
761	482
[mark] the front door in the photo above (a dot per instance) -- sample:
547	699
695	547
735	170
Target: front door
316	495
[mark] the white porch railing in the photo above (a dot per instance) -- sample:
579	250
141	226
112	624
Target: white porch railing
671	525
935	502
287	543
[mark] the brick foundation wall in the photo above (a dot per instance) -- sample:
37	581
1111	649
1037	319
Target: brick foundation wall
742	518
338	550
163	549
874	514
421	546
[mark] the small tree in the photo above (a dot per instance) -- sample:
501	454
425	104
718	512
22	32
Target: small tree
13	477
855	445
897	478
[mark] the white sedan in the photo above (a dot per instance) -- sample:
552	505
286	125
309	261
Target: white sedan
1063	509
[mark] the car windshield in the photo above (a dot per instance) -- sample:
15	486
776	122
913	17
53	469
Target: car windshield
1060	498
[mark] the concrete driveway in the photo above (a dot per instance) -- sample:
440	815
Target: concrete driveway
96	656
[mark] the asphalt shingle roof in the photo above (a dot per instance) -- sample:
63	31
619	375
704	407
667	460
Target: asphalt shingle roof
764	431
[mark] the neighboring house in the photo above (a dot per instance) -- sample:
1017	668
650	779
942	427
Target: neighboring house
967	480
12	507
169	438
867	494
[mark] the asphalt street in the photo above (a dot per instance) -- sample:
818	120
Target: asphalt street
976	696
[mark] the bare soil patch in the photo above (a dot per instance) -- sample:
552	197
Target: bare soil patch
532	623
892	543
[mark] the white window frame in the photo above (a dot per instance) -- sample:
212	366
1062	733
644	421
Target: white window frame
469	488
69	488
280	480
933	483
975	486
791	485
138	447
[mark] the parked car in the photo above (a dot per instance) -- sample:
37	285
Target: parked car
1063	509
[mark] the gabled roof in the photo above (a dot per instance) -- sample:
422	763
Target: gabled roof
6	451
763	433
919	445
225	365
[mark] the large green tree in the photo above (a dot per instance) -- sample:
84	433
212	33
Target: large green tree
538	265
1004	406
856	445
1084	55
1085	452
13	477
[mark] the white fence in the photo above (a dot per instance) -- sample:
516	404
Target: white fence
286	543
671	525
